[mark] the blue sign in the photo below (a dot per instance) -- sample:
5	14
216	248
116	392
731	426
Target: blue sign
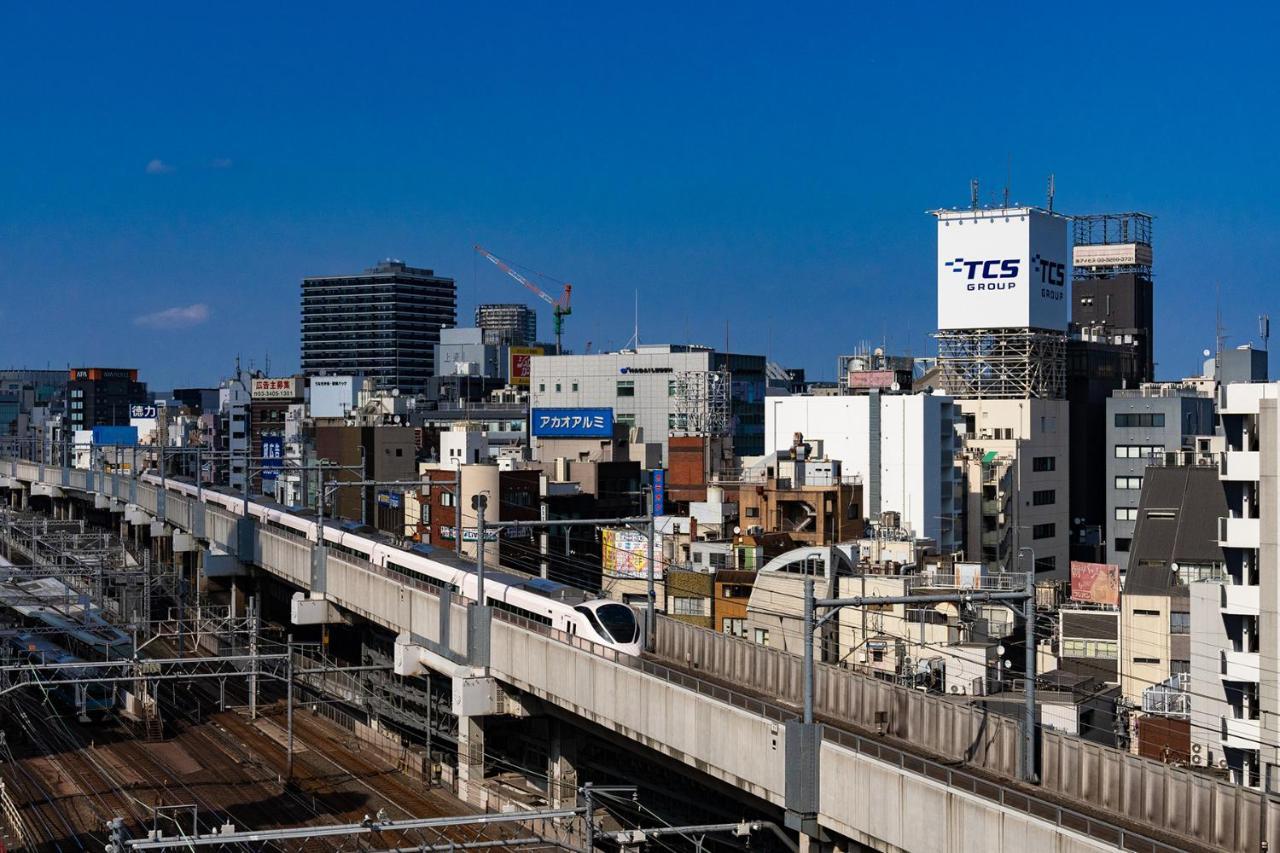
659	491
571	423
272	458
117	435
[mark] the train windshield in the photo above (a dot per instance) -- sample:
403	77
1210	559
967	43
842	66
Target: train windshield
619	620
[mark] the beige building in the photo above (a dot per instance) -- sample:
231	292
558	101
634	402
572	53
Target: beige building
1029	439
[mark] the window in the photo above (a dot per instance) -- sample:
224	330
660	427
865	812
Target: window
557	387
446	499
1043	497
686	606
1140	420
736	591
626	388
574	387
628	420
1177	667
734	627
1147	660
877	655
1129	483
1126	513
1046	564
671	387
717	560
1044	531
1047	424
542	387
1044	463
399	451
1122	544
1103	649
1179	623
753	512
1138	451
1138	612
762	636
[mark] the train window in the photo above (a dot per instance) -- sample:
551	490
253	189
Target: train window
519	611
591	617
620	622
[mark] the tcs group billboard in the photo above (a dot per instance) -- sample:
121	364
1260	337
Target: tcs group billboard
1003	269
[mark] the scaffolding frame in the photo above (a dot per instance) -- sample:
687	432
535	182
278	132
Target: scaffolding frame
702	402
1003	364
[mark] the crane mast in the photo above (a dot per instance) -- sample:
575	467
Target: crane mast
559	307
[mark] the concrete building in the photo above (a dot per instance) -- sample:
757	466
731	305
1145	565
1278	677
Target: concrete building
469	353
803	494
1142	425
663	389
382	454
1029	439
102	396
511	324
901	446
383	323
1235	686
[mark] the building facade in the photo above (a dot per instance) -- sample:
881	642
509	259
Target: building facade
1142	425
662	389
900	446
507	324
102	396
383	323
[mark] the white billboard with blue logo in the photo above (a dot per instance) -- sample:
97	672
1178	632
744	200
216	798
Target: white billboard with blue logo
1003	269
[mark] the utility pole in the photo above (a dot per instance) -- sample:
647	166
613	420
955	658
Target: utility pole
651	623
478	503
288	704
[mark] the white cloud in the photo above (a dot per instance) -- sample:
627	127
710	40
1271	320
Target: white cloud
179	317
159	167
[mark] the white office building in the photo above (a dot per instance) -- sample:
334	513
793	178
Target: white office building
901	445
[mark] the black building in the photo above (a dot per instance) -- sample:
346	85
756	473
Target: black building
102	396
383	323
1111	346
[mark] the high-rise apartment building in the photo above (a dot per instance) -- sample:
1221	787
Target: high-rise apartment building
383	323
507	324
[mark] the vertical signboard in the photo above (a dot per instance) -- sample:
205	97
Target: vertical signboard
272	460
659	491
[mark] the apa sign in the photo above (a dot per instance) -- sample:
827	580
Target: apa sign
1002	269
571	423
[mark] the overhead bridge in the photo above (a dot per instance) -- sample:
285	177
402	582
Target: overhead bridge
889	768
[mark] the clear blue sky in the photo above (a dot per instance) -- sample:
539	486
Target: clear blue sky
733	162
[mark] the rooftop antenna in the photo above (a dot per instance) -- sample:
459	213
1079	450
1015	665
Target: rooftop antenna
1051	191
1219	331
1008	179
973	193
634	343
1264	328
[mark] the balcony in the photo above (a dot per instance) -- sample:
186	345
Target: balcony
993	506
1238	600
1238	532
1241	734
993	538
1239	666
1240	465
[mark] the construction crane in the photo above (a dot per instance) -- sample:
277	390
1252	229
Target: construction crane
559	307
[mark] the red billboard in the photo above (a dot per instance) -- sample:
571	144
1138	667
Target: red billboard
1096	583
520	364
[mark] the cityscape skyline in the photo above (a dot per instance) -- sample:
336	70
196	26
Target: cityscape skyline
721	176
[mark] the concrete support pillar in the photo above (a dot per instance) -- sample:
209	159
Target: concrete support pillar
562	766
471	761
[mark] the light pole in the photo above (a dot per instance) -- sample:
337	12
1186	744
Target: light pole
1029	674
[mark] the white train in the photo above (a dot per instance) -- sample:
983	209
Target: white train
542	601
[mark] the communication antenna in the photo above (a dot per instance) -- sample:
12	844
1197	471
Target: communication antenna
973	193
1051	191
1008	179
1264	328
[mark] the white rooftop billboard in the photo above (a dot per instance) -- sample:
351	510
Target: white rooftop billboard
1003	269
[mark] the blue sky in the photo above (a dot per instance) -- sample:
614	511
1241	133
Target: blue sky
170	174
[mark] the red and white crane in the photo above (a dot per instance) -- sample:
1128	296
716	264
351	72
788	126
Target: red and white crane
559	307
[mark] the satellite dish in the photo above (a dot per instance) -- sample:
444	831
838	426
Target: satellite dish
1207	353
736	530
